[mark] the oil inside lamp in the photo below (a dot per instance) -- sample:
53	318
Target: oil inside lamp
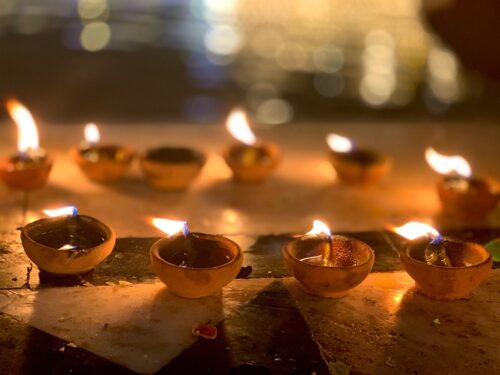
191	264
30	167
101	163
460	193
66	242
436	251
329	256
250	160
172	168
327	265
356	166
443	268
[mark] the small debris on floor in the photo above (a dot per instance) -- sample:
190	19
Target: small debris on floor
244	272
110	283
206	331
436	321
124	283
389	362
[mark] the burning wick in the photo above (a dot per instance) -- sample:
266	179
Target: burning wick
339	143
237	125
321	230
251	161
27	140
64	211
171	227
70	211
448	165
178	227
92	135
436	252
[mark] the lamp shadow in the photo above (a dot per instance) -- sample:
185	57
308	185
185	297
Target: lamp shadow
431	336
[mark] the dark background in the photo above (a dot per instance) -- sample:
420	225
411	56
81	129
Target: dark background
158	66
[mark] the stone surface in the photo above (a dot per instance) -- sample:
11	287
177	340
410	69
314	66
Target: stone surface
380	327
383	327
141	327
268	335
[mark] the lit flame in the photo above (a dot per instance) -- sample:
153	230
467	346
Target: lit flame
338	143
170	227
414	229
237	125
92	134
27	138
64	211
447	164
319	228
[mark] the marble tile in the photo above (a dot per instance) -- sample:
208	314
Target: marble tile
141	327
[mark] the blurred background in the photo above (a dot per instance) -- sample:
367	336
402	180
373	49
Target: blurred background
284	60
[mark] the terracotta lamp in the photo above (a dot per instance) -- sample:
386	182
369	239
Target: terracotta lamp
67	243
443	268
101	163
30	167
250	160
356	167
460	194
327	265
172	168
193	265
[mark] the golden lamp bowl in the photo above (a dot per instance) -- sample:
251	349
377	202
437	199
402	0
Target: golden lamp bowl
103	164
361	168
356	261
25	175
447	283
172	168
199	269
47	242
468	197
252	164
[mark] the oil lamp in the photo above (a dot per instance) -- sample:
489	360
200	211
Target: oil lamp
443	268
101	163
250	160
67	243
461	194
30	167
327	265
172	168
356	167
193	265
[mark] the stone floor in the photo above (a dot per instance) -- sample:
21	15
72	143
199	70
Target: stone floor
120	319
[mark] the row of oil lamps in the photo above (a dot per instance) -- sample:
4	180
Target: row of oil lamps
195	265
174	168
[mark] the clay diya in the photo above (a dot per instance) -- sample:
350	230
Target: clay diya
443	268
30	168
67	243
101	163
250	160
193	265
356	167
172	168
460	194
327	265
